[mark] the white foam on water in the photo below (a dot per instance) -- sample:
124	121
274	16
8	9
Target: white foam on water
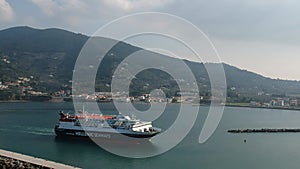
30	130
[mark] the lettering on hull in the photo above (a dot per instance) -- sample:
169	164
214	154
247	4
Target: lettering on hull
99	135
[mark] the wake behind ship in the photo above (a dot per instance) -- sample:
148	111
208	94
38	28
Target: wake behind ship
107	127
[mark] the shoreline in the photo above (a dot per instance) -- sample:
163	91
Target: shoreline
10	159
227	104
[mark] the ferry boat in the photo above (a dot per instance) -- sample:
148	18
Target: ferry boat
96	126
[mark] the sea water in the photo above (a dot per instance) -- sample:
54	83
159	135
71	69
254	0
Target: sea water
28	128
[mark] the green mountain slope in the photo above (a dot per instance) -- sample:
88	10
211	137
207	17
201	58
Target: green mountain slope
49	55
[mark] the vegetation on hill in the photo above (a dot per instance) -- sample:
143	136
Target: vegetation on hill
48	57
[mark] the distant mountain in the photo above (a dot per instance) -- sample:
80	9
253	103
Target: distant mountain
49	56
40	53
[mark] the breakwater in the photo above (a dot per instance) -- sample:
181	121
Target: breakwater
11	160
10	163
264	130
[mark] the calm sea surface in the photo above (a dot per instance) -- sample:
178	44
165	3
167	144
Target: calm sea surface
28	128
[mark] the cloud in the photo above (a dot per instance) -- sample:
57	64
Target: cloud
89	15
51	7
64	13
268	20
264	58
6	11
137	4
47	6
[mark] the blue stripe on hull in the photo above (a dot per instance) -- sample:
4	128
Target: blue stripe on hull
100	135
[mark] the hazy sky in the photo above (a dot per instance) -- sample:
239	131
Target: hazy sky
262	36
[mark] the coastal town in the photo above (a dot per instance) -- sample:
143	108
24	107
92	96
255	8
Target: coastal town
21	90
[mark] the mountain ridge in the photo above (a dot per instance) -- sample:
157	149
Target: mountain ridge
49	56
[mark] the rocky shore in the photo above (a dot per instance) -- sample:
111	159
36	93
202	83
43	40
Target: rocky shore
10	163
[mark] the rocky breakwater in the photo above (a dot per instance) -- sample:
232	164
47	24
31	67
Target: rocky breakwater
14	160
264	130
10	163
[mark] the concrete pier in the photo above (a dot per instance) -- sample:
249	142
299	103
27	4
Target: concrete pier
36	161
